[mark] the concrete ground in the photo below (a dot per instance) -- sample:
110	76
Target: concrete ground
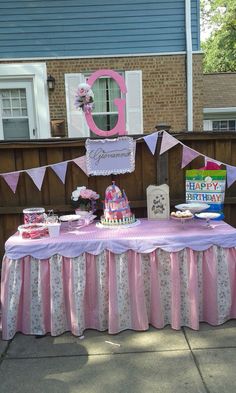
164	361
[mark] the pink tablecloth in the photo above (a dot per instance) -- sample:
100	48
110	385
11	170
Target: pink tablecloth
118	291
169	235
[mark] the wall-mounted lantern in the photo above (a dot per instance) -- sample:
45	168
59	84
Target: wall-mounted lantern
51	82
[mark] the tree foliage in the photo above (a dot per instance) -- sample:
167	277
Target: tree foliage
220	48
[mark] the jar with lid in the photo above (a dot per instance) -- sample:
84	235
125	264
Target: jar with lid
34	215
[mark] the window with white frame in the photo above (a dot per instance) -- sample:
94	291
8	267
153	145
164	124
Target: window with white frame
17	119
24	106
224	125
105	113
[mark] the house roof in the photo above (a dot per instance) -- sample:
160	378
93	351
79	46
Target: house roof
219	90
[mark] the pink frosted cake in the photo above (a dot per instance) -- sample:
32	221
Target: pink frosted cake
116	207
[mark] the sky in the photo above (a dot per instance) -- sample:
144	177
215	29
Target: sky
205	33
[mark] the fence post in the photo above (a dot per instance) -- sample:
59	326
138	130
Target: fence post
162	161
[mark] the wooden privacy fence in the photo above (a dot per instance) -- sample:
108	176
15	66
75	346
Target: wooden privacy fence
149	169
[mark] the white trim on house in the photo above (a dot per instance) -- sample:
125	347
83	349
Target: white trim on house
134	102
220	110
207	125
77	125
197	52
189	65
37	73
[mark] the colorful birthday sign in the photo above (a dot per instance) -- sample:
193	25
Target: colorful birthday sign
107	156
207	186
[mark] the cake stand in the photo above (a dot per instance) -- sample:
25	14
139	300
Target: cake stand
193	207
182	220
208	216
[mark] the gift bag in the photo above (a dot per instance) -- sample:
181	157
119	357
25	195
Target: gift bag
206	186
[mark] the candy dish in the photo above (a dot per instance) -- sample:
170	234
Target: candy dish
32	231
34	215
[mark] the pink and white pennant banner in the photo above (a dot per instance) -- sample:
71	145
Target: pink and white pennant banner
81	162
60	170
231	175
11	179
151	141
168	141
37	175
188	155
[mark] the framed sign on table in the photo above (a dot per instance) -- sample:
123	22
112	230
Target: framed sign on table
158	202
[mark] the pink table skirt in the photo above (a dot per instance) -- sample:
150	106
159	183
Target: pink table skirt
118	292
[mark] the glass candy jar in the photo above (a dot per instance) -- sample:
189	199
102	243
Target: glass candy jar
34	215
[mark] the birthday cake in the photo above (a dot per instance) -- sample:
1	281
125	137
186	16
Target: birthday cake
116	207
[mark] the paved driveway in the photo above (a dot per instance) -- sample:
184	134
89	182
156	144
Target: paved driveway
154	361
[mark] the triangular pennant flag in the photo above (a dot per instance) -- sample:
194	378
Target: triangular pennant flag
37	175
188	155
81	162
60	170
11	179
151	141
231	174
168	141
210	163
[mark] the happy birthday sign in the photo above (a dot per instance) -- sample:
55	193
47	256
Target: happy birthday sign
207	186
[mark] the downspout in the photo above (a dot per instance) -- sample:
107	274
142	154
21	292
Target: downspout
189	67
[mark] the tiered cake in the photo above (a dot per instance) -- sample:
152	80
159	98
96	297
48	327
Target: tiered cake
116	207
